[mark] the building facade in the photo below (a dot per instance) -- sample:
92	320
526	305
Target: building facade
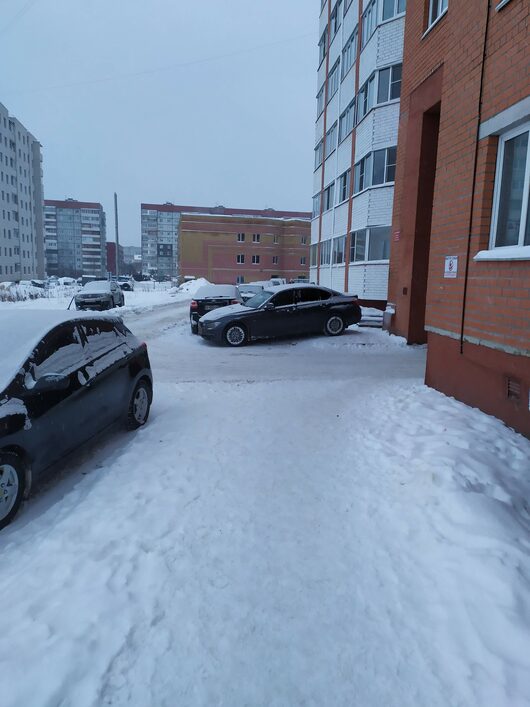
75	238
113	267
225	245
358	93
460	252
21	202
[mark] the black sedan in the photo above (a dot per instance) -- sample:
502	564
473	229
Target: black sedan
286	310
65	377
210	297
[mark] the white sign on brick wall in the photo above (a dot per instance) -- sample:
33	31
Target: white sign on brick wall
451	266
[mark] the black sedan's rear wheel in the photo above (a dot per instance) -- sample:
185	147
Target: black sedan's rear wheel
235	335
334	325
12	483
139	406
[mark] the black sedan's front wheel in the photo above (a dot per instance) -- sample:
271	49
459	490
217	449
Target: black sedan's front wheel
12	482
235	335
334	325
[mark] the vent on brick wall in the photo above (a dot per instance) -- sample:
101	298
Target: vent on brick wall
513	389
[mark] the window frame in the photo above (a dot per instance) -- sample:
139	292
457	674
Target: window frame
441	11
255	259
371	10
397	12
333	72
351	108
525	208
240	259
350	46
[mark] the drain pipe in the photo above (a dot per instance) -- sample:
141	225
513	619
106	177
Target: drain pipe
473	187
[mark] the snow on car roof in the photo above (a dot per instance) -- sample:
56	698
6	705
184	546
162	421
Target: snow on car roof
294	285
97	286
215	291
21	331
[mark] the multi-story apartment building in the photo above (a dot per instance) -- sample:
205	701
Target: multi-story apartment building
75	238
225	245
460	261
358	92
21	201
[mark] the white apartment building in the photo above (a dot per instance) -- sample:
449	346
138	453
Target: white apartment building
75	238
160	239
359	85
21	201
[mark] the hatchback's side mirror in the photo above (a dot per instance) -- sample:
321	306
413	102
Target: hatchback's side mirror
50	382
269	306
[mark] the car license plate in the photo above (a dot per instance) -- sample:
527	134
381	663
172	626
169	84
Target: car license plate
209	307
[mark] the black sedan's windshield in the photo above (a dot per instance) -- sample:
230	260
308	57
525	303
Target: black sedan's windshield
259	299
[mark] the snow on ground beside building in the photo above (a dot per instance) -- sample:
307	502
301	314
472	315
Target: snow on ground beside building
301	522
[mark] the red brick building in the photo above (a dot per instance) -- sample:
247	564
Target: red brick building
460	252
225	245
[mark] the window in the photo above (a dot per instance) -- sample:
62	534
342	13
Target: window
339	244
323	46
319	152
511	207
370	244
60	353
240	279
347	121
313	253
285	298
316	205
391	8
276	239
436	10
329	194
333	80
320	101
240	258
358	246
389	86
384	166
302	260
303	240
347	5
275	260
369	22
255	260
325	252
331	139
241	237
256	238
344	185
335	18
362	174
313	294
349	53
365	99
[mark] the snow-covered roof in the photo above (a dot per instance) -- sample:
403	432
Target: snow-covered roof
21	331
96	286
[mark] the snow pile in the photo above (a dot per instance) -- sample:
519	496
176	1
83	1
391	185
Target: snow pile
371	317
318	529
190	288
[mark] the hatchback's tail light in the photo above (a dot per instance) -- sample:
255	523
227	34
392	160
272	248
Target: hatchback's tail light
235	301
194	304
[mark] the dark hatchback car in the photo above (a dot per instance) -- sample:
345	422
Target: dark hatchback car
208	298
100	295
65	377
286	310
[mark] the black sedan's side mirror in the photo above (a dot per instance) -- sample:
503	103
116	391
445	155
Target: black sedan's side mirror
50	382
269	306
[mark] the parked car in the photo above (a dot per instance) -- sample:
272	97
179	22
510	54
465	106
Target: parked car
245	292
100	294
126	283
208	298
65	377
284	310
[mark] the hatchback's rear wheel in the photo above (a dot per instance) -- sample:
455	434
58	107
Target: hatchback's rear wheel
334	325
139	406
12	482
235	335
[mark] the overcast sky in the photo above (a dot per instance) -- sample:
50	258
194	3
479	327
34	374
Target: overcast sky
207	102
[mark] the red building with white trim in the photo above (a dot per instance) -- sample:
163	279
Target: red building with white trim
460	251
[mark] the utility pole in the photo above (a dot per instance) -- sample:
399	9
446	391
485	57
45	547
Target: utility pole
117	234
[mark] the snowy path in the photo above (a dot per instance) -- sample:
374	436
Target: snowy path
301	523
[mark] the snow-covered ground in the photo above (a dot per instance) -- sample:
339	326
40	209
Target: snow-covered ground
300	523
